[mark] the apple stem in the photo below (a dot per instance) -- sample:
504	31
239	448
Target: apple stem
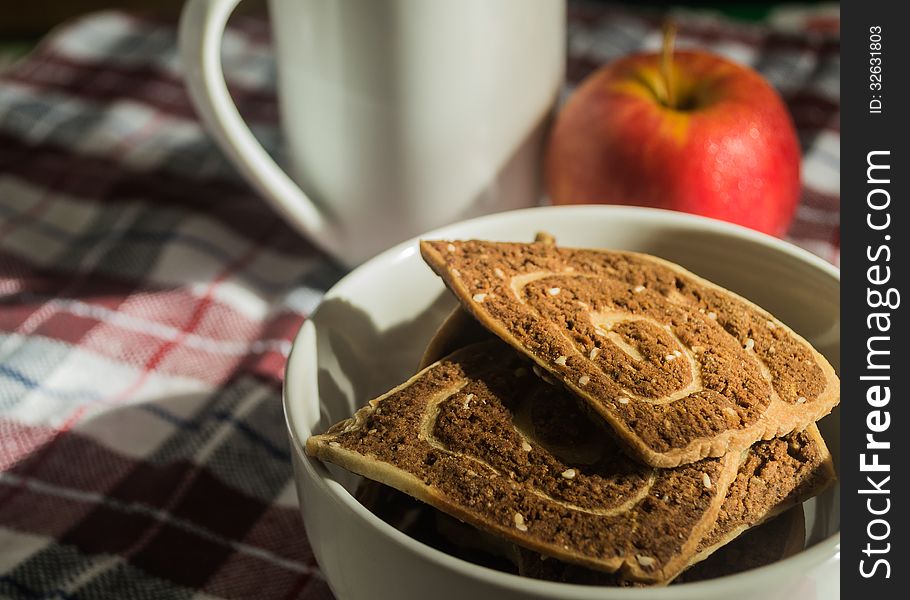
666	62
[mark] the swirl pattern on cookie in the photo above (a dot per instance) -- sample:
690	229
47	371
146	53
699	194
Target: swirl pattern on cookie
480	437
679	368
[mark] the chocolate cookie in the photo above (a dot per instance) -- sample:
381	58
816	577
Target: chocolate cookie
679	368
479	437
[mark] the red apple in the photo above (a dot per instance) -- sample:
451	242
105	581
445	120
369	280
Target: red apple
687	131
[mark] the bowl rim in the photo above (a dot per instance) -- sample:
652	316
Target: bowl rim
804	561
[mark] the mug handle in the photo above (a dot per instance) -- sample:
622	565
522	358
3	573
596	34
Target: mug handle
202	24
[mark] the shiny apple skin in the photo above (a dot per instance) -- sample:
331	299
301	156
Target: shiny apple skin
729	152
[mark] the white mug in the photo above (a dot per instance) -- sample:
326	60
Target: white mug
399	115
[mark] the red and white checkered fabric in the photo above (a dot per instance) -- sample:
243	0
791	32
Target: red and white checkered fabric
148	300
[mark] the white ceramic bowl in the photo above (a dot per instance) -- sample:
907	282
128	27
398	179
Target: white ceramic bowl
371	328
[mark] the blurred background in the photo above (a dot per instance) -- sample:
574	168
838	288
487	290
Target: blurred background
21	29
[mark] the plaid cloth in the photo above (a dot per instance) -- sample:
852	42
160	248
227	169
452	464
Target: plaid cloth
148	300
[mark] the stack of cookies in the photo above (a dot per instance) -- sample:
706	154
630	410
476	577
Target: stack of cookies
611	417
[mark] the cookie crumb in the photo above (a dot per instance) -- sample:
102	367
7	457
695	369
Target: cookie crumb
519	522
645	561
